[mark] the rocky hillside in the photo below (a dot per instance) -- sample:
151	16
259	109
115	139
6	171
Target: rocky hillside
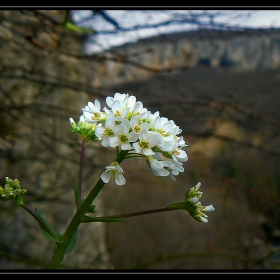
237	50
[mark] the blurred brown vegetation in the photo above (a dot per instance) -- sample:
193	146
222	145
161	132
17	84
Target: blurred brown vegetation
230	121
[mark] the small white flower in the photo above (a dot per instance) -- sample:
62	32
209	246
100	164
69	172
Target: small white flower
178	154
122	136
119	110
147	140
139	111
136	126
117	96
92	112
164	127
113	171
158	166
174	168
181	142
106	132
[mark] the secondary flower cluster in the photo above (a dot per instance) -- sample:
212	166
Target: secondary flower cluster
194	206
131	127
11	190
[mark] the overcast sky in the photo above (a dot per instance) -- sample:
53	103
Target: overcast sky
131	18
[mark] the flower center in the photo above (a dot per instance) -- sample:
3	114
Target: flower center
144	144
137	128
108	132
123	138
95	116
117	113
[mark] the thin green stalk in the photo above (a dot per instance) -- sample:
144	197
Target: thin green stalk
140	213
80	177
76	221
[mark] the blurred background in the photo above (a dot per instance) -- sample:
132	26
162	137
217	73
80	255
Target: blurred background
217	79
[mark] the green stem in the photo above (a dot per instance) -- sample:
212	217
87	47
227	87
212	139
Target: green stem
80	177
74	224
76	221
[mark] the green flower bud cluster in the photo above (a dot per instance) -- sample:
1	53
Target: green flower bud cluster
11	190
92	208
194	207
85	129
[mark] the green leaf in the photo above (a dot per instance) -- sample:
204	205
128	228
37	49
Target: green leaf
87	219
72	243
57	234
48	235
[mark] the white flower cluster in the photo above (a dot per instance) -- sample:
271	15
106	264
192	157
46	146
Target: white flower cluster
131	127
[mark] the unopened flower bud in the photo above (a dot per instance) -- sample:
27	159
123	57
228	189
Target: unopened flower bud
12	191
85	129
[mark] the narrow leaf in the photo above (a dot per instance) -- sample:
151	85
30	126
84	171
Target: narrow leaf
49	236
41	217
72	243
87	219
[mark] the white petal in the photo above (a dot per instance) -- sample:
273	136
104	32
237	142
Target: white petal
137	147
204	220
120	180
119	129
154	139
114	141
163	172
126	125
110	100
117	105
105	176
97	104
143	135
110	122
132	136
105	142
209	208
88	116
99	131
126	146
148	152
90	106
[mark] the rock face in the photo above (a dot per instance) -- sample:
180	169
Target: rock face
240	51
36	106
